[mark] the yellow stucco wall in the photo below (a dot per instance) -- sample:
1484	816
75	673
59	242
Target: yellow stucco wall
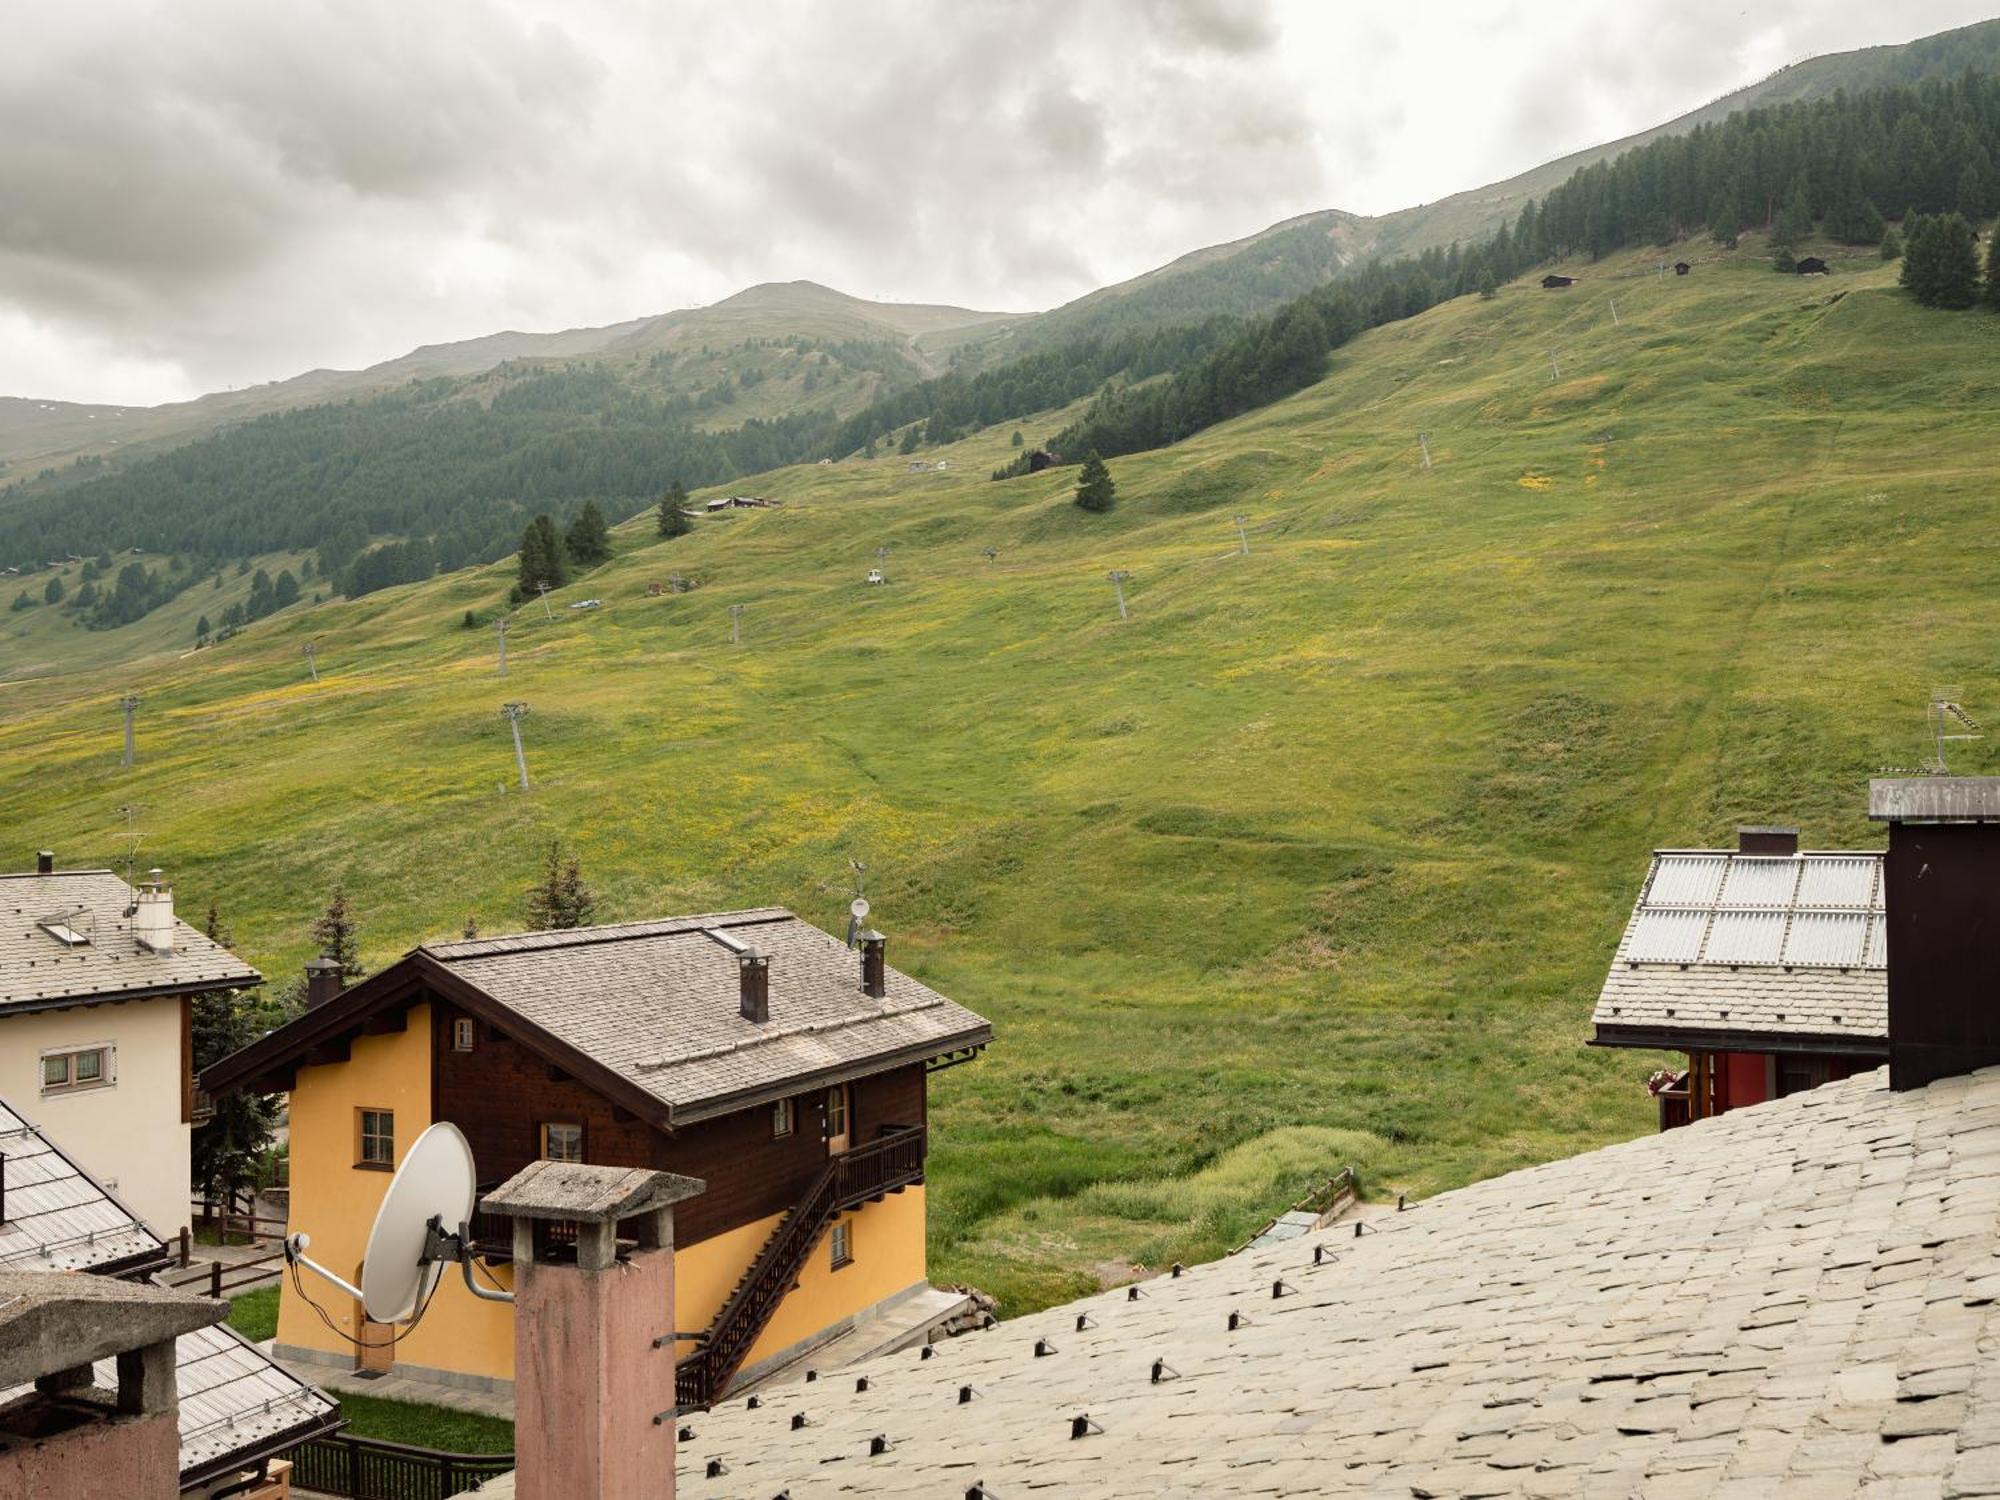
335	1204
888	1246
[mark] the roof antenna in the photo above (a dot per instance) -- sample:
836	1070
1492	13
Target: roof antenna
1945	714
857	909
132	837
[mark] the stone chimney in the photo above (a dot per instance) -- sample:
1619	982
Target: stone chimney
1941	887
45	861
1767	840
874	963
755	1000
65	1439
153	915
324	980
594	1345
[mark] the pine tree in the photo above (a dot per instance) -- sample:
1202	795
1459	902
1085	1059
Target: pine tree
560	899
589	539
1795	222
1488	288
54	592
1016	440
673	511
201	628
337	931
1892	244
1094	490
543	559
1958	263
1725	220
228	1147
1941	262
286	590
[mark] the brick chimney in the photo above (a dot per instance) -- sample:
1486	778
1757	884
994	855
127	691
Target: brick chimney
874	963
1767	840
755	1000
324	980
153	915
45	861
594	1346
1941	887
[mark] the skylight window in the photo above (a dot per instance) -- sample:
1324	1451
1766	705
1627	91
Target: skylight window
59	929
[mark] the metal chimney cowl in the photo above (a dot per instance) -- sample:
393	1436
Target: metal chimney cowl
153	915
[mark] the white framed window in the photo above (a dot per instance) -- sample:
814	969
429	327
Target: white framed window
375	1131
71	1070
840	1243
562	1142
462	1030
781	1118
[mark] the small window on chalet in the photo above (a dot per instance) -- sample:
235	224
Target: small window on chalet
80	1068
377	1144
781	1118
840	1244
462	1030
562	1142
60	929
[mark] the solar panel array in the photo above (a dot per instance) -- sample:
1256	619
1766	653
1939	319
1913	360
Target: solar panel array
1816	911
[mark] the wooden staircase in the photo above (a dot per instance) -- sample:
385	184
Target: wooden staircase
888	1164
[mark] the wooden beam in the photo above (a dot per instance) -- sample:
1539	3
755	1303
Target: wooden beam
333	1050
557	1075
384	1022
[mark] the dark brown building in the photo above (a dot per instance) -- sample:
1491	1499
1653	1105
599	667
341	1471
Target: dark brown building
1943	882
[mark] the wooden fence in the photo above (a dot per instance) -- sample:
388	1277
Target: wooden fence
216	1277
359	1468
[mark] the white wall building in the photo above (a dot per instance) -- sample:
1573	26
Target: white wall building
96	988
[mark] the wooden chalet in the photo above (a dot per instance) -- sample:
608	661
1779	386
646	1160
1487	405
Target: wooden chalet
1681	268
1554	282
747	1049
1765	965
1811	265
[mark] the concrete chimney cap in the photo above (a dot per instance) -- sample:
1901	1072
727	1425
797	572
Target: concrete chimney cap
871	936
582	1194
322	964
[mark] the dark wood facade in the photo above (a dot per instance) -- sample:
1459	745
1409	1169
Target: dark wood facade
501	1094
1942	884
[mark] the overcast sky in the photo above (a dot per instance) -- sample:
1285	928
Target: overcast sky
207	193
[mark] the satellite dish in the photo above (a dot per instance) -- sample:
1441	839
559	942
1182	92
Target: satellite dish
858	907
420	1227
434	1183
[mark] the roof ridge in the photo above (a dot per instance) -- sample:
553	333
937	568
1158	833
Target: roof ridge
53	874
546	938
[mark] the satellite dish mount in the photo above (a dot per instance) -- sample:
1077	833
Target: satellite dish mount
423	1225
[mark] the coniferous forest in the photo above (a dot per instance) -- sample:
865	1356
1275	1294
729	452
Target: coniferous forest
439	475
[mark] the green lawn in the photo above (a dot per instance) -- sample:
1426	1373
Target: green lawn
425	1426
255	1314
1317	859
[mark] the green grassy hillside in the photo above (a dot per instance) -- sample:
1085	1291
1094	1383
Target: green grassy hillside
1318	858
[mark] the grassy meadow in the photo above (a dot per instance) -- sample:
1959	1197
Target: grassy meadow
1317	859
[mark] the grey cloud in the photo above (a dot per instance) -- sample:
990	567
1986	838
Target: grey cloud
241	190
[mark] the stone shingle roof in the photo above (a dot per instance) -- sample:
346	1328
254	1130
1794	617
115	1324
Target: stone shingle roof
1935	799
657	1003
1747	947
38	971
1791	1300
